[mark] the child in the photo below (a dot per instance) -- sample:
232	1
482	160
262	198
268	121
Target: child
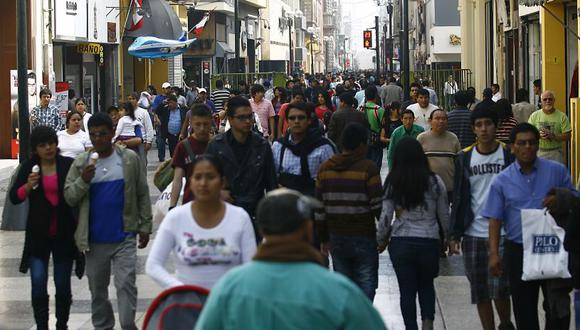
127	127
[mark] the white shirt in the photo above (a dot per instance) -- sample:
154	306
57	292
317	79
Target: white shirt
126	127
496	97
86	118
73	145
483	168
143	117
422	114
202	256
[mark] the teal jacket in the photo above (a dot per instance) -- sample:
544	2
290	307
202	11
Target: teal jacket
398	134
290	295
137	209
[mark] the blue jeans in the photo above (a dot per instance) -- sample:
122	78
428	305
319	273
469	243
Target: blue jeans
160	146
356	258
39	275
416	264
376	155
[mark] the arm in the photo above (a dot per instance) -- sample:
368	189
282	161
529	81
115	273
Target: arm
375	191
248	240
183	134
178	175
119	128
155	265
495	262
493	210
384	229
455	225
271	124
149	131
270	170
20	180
442	206
332	129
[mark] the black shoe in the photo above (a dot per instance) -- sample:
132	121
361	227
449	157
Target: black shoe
62	306
509	326
40	307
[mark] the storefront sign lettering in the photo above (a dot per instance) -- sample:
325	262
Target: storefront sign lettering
90	49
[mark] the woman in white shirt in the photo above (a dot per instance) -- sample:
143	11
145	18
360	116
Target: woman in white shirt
207	236
73	141
81	108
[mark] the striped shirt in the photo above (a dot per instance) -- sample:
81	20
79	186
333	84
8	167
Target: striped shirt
350	188
219	98
441	151
49	116
459	123
504	129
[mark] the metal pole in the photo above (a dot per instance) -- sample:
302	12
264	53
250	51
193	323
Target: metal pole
291	59
405	46
237	36
390	50
377	48
311	55
23	117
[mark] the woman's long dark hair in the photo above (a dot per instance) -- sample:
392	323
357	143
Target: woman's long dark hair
327	100
408	181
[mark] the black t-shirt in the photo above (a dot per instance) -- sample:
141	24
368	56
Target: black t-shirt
240	150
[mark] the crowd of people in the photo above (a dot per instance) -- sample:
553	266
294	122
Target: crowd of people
281	181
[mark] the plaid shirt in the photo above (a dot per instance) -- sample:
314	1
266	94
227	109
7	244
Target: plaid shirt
46	117
291	162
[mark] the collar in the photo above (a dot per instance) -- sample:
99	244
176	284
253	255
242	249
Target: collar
288	252
534	168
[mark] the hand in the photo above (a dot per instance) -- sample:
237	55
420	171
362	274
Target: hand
227	196
147	146
181	137
143	240
88	173
495	264
325	249
381	247
551	203
453	247
33	179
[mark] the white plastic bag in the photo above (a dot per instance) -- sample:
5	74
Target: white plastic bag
544	254
161	207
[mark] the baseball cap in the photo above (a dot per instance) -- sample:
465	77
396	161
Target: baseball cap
165	85
201	90
283	211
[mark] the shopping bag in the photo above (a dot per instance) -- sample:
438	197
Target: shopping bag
544	253
161	207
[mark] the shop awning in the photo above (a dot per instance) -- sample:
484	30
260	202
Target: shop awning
153	18
222	49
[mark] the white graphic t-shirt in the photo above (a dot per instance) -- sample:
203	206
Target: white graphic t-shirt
483	169
201	256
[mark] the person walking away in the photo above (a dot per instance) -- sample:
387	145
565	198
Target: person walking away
375	116
422	109
220	95
247	158
486	102
440	147
208	236
81	108
114	213
50	226
417	199
449	90
459	120
263	110
522	109
554	127
475	169
506	120
524	185
349	234
187	150
244	299
408	129
343	116
160	102
496	94
73	141
391	92
170	117
46	114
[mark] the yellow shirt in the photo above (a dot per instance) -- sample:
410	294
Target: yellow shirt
557	122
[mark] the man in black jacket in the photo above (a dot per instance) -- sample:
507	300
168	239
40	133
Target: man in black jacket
345	115
475	168
246	156
171	117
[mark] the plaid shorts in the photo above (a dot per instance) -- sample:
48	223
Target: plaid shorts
484	286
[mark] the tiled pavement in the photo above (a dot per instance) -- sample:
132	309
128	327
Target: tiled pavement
453	310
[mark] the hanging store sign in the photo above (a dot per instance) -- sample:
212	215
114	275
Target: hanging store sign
87	20
70	20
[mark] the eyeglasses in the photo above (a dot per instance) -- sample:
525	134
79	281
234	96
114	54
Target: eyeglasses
548	99
244	117
298	118
522	143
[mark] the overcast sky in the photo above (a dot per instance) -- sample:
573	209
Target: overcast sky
362	15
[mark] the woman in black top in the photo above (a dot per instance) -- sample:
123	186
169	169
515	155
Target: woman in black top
50	225
390	124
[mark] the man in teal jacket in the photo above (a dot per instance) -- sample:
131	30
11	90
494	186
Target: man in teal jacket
286	286
408	129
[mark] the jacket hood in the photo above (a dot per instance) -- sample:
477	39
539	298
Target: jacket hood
342	161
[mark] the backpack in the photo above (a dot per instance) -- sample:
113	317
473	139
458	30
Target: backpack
164	173
374	137
176	308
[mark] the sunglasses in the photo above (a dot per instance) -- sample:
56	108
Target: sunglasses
299	118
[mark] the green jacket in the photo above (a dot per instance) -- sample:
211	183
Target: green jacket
397	135
137	209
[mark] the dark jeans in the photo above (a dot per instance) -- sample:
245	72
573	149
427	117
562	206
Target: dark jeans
172	141
62	272
416	264
356	258
376	155
525	295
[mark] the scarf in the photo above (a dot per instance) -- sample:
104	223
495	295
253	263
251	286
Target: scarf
290	251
